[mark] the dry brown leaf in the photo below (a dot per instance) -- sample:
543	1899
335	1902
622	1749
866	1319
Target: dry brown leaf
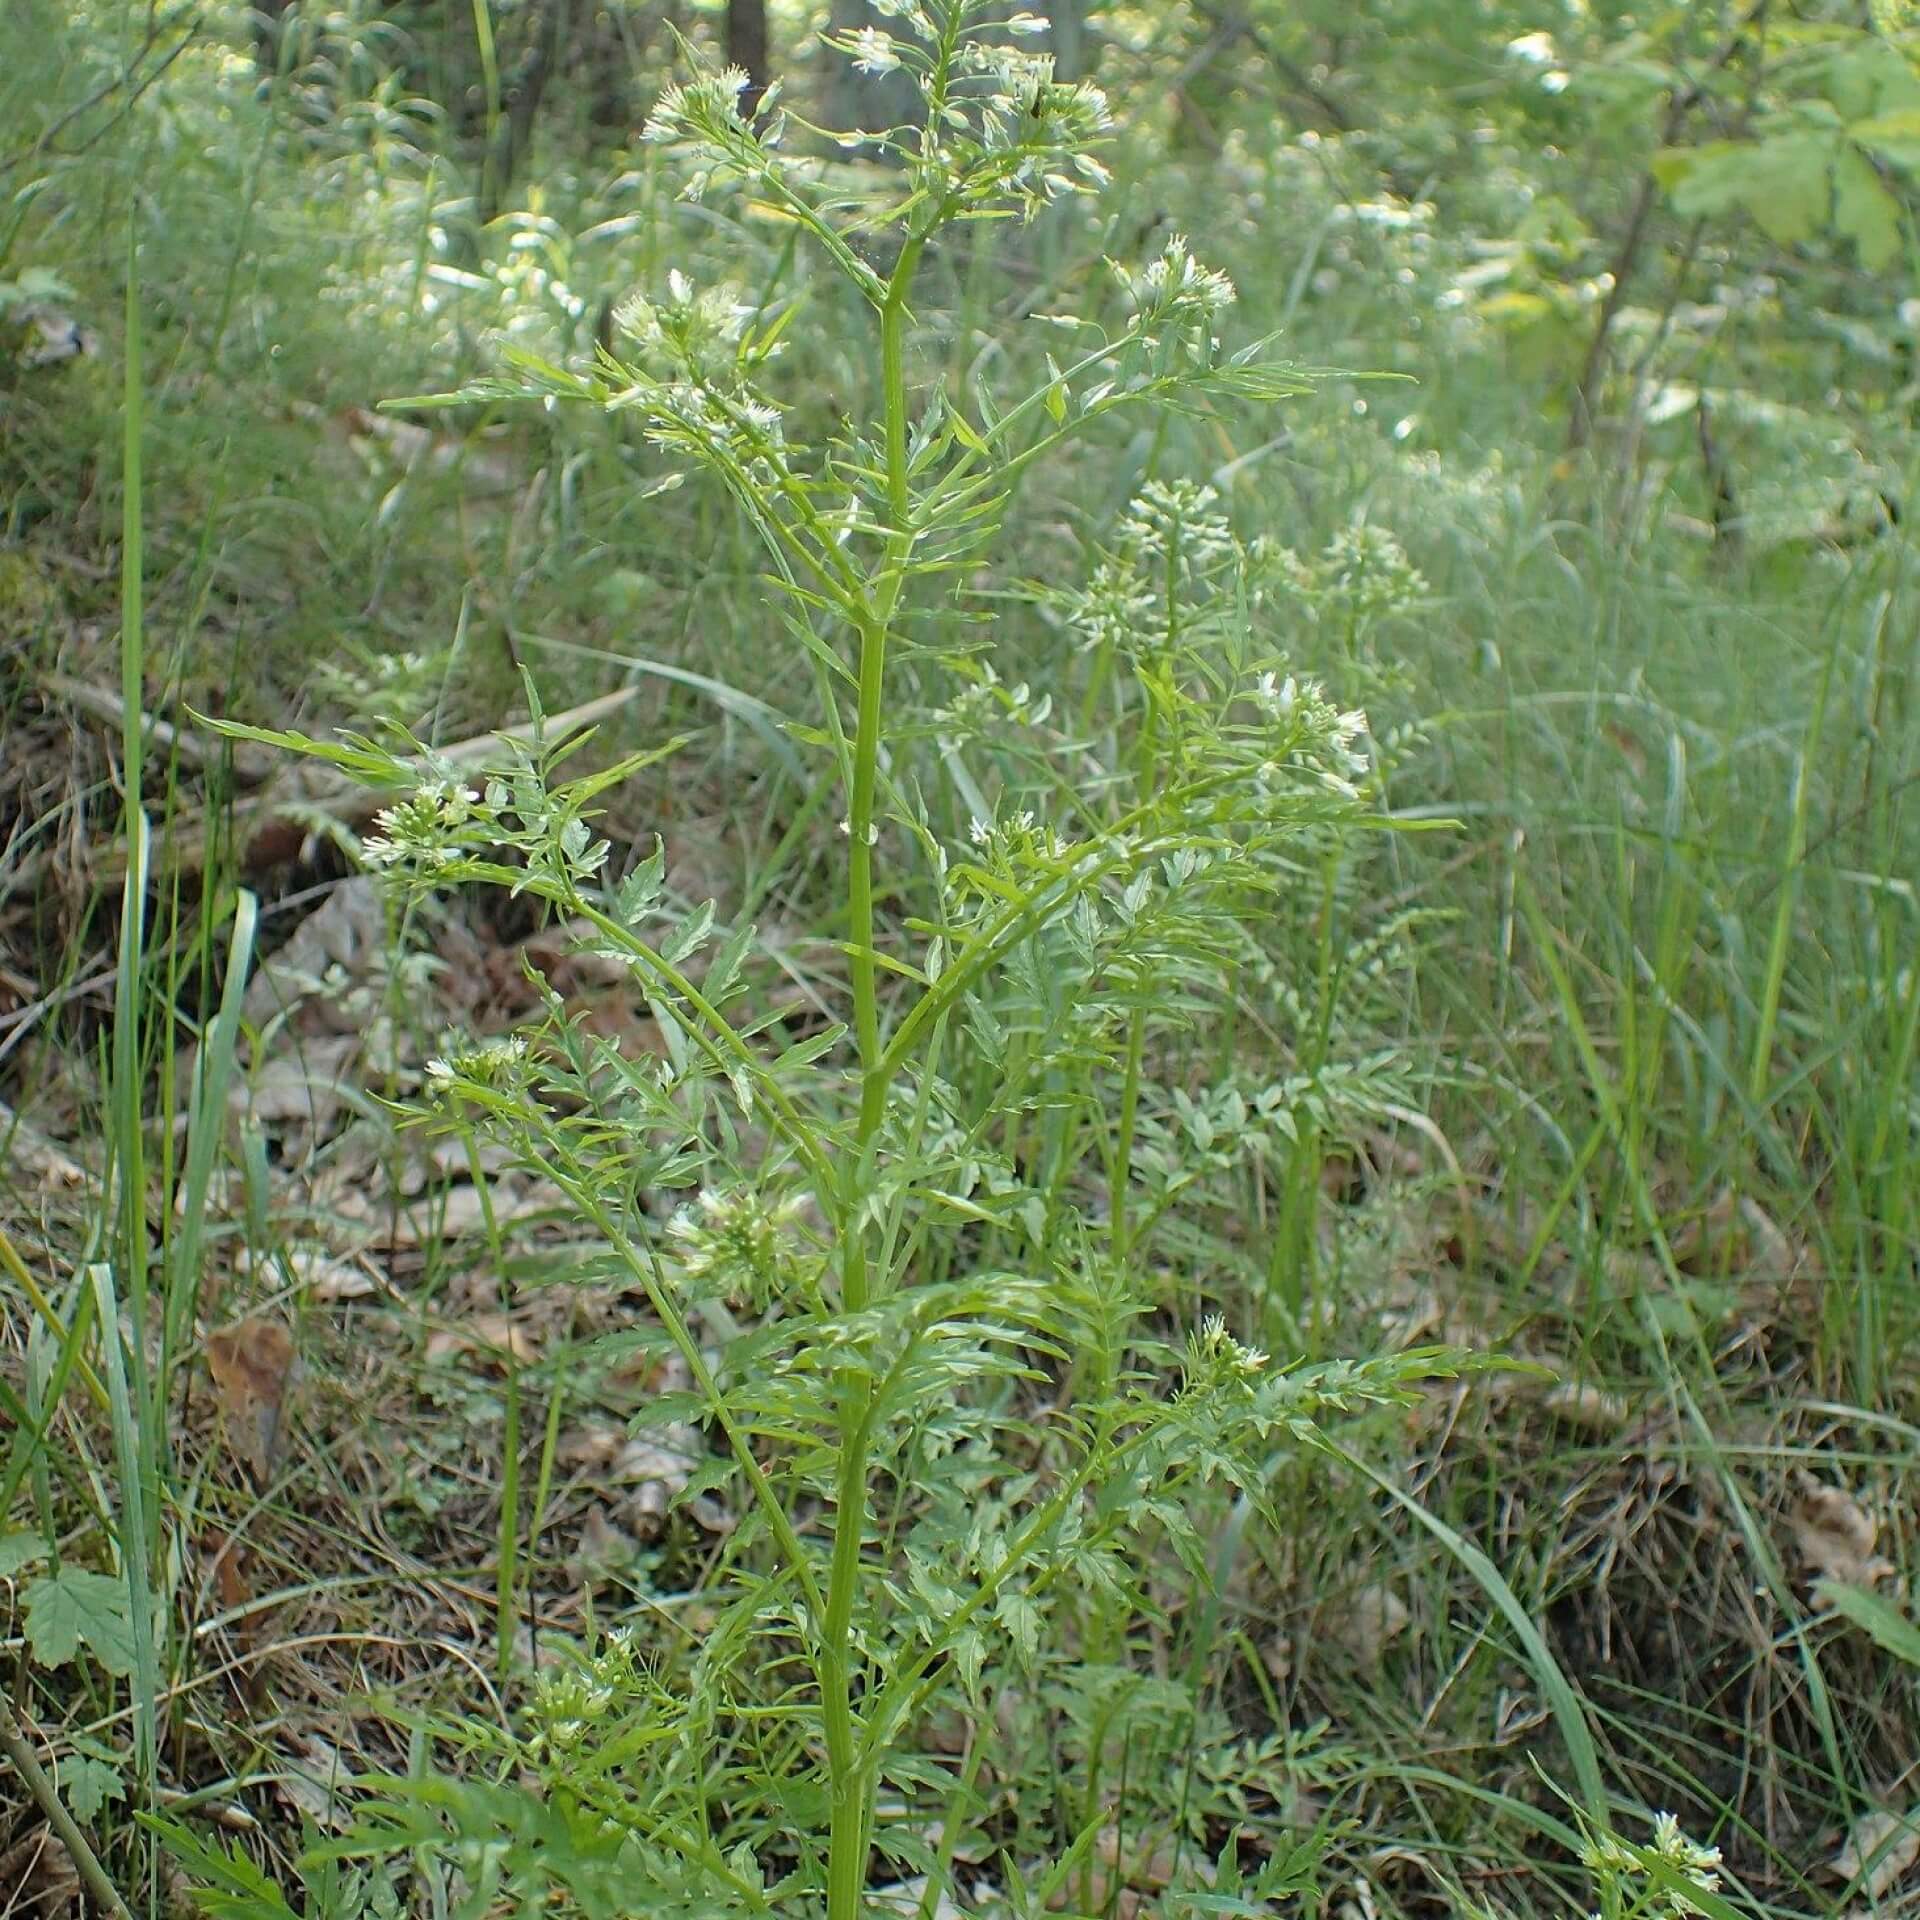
341	942
1836	1535
450	1213
252	1363
30	1152
302	1087
907	1898
37	1876
1370	1621
1630	1272
1592	1409
590	1449
654	1465
321	1276
602	1545
1882	1846
229	1572
495	1334
312	1780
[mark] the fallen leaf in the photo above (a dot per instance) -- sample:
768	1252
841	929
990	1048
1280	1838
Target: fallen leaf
1708	1242
303	1086
602	1546
37	1875
1370	1621
323	1277
1592	1409
909	1896
312	1780
1836	1535
452	1213
252	1363
341	941
1882	1846
228	1570
658	1465
589	1449
497	1334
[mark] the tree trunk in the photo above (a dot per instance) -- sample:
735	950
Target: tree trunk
748	48
1067	37
867	102
521	92
266	33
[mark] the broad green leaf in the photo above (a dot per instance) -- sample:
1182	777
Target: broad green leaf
1895	137
73	1609
1864	211
1702	180
19	1551
1783	183
1789	187
89	1784
1021	1618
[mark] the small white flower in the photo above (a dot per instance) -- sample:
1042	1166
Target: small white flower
873	51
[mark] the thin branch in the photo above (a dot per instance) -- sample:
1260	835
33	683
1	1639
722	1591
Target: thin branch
130	78
1626	258
86	1862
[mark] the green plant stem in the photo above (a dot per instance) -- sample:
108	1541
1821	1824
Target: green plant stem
849	1779
506	1617
86	1862
1121	1180
860	828
847	1831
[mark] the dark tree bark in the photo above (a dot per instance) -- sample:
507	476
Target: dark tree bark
748	48
1067	37
868	102
520	93
266	33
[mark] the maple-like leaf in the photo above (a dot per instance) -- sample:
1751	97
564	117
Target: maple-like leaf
89	1784
72	1609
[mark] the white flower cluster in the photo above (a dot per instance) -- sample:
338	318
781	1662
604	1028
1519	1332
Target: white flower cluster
570	1709
443	822
1215	1356
705	108
1363	572
1019	839
1045	127
1174	289
1179	517
427	829
1691	1862
1369	569
986	702
1315	731
499	1065
691	329
737	1243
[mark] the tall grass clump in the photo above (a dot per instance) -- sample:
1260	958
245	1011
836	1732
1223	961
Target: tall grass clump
925	1282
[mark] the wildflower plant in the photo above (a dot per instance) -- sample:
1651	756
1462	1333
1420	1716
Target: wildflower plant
1669	1878
935	1212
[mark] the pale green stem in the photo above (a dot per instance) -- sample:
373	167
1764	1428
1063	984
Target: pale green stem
850	1779
1121	1180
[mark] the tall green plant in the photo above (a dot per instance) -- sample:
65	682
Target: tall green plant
912	1245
